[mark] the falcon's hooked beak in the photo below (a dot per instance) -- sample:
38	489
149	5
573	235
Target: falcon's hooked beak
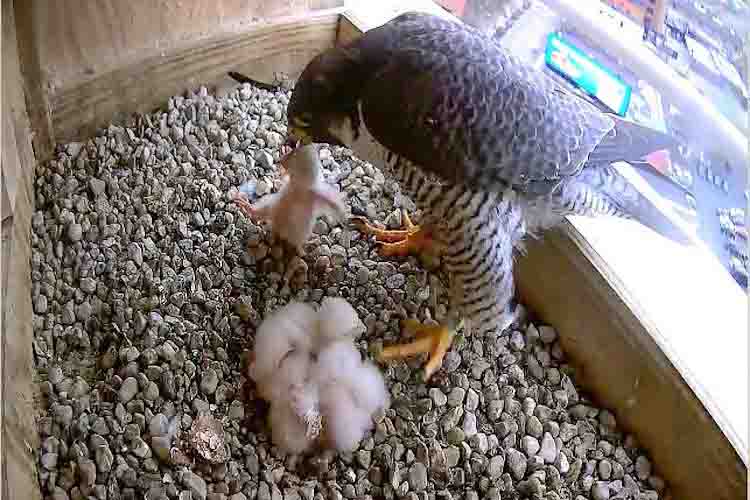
298	133
296	136
302	133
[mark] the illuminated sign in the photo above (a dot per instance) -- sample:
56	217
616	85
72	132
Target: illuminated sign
587	74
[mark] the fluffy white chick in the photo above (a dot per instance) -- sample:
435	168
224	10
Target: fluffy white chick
280	366
350	393
282	349
306	365
305	196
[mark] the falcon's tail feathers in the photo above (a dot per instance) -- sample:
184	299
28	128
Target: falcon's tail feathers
631	142
652	188
618	192
240	78
642	156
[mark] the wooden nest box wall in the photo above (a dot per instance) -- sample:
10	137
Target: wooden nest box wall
71	68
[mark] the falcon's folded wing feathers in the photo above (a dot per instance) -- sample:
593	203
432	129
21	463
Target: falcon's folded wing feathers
464	109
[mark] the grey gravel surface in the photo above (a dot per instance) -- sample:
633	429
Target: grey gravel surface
148	285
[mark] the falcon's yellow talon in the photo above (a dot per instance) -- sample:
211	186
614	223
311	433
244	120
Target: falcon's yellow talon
381	235
419	346
432	340
415	329
399	242
411	325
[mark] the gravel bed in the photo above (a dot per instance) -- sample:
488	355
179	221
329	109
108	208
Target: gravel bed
148	285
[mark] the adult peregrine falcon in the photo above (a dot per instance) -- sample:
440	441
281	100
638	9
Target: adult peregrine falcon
488	148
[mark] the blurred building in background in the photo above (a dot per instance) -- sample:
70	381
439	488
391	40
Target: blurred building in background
648	13
485	15
742	63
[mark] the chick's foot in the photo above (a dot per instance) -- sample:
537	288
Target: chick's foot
432	340
245	206
401	242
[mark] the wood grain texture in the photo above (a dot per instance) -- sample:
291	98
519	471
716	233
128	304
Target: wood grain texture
29	46
86	39
282	45
680	290
19	439
563	280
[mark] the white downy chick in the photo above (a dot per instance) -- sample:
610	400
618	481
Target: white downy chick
282	346
307	366
337	321
280	367
295	419
351	391
305	196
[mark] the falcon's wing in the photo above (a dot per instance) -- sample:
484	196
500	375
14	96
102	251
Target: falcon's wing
455	103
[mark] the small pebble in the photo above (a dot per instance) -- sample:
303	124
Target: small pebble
547	334
195	485
642	467
438	397
530	446
548	450
209	382
600	491
128	390
418	477
456	396
516	462
75	233
495	467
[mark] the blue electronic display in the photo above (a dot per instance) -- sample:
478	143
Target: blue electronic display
587	74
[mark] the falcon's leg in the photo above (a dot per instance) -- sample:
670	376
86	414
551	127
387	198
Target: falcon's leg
431	340
402	242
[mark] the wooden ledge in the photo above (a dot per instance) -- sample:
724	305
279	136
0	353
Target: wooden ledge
668	358
19	440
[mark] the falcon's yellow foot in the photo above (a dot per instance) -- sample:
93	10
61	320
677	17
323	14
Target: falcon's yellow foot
432	340
401	242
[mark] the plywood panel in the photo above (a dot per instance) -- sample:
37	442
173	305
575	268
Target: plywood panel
18	438
85	38
613	347
68	48
36	89
283	45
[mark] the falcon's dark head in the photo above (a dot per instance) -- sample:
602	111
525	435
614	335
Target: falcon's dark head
323	103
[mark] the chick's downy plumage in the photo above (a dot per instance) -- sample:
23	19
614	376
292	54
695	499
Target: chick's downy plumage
320	390
489	149
305	196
